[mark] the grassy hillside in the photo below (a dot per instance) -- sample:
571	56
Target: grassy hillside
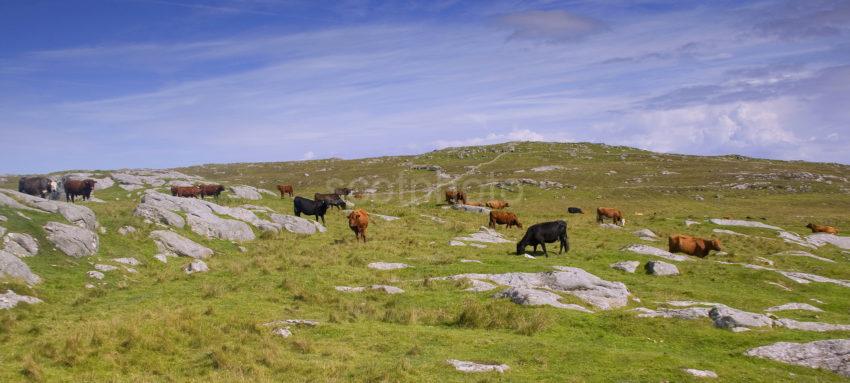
163	325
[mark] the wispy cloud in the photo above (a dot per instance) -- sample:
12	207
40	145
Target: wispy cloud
552	25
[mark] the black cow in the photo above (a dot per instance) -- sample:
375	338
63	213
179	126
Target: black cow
39	186
574	210
310	207
333	199
75	188
543	233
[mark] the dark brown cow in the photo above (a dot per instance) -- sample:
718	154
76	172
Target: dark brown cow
186	191
213	190
692	245
75	188
609	212
342	191
497	204
40	186
332	199
822	229
284	189
453	197
503	218
358	221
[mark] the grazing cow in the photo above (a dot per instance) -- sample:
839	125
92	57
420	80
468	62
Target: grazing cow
332	199
75	188
342	191
211	190
40	186
284	189
453	197
543	233
358	221
503	218
497	204
822	229
574	210
310	207
692	245
186	191
614	214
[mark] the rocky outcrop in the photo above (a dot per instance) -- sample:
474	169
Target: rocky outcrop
196	266
13	267
793	306
627	266
72	240
661	268
171	243
245	192
202	216
700	373
159	214
800	253
485	235
297	225
387	266
820	239
649	250
646	235
533	297
832	355
727	317
464	366
742	223
358	289
76	214
472	209
10	299
21	245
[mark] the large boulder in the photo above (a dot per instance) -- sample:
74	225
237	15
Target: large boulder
534	297
245	192
196	266
72	240
159	214
727	317
22	245
661	268
204	217
76	214
832	355
13	267
171	243
297	225
212	226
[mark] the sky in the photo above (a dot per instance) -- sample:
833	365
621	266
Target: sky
163	83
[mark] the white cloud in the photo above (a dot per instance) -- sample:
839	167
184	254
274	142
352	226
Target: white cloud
309	155
495	138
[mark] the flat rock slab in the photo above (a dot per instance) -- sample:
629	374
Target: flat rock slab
534	297
127	261
646	235
485	235
649	250
701	373
685	313
105	268
800	253
811	326
358	289
472	209
297	225
14	267
245	192
159	214
124	230
465	366
76	214
820	239
96	274
72	240
22	245
171	243
727	317
832	355
387	266
729	232
793	306
660	268
794	238
627	266
742	223
10	299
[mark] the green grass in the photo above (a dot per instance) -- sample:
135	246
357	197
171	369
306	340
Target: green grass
163	325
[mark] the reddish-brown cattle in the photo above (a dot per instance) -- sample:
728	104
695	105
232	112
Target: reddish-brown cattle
74	188
358	221
186	191
454	197
284	189
609	212
497	204
822	229
503	218
692	245
211	190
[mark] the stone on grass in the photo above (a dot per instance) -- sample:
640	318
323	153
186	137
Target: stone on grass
161	257
728	232
649	250
465	366
171	243
10	299
472	209
534	297
610	226
646	234
820	239
484	234
196	266
13	267
660	268
627	266
800	253
689	223
283	332
159	214
124	230
456	243
479	286
387	289
76	214
470	261
297	225
245	192
95	274
127	261
832	355
742	223
387	266
811	326
727	317
793	306
701	373
72	240
22	245
685	313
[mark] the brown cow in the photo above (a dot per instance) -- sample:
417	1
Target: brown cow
475	203
503	218
358	195
453	197
211	190
692	245
82	188
822	229
284	189
342	191
497	204
186	191
609	212
358	221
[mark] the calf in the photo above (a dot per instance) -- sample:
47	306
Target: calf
284	189
692	245
75	188
332	199
543	233
310	207
503	218
497	204
609	212
40	186
574	210
822	229
213	190
358	221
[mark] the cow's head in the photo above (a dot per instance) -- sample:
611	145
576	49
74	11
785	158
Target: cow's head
810	226
52	186
714	244
518	224
89	184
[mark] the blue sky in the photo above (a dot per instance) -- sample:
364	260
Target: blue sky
163	83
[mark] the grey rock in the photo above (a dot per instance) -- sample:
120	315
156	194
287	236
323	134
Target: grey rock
820	239
76	214
212	226
649	250
127	261
742	223
104	268
661	268
547	168
456	243
832	355
124	230
11	203
479	286
21	245
297	225
283	332
3	218
701	373
171	243
646	234
72	240
729	232
387	289
350	289
689	223
793	306
811	326
472	209
246	192
387	266
13	267
610	226
794	238
10	299
685	313
534	297
465	366
2	231
95	274
470	261
161	257
800	253
159	214
727	317
196	266
627	266
484	234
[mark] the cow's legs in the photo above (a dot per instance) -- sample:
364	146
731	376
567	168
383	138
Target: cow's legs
543	245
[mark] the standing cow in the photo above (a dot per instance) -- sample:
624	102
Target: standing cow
822	229
497	204
284	189
454	197
699	247
213	190
503	218
608	212
332	199
186	191
543	233
38	186
310	207
75	188
358	221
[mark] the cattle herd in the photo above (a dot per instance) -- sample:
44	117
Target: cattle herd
358	220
